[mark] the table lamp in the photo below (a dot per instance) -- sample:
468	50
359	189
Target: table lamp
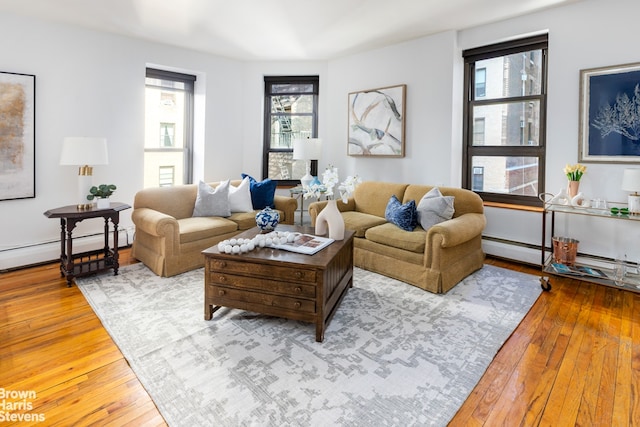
307	149
82	152
631	182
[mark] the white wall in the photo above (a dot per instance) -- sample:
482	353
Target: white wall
92	84
426	66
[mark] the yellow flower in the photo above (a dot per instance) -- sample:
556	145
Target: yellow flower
574	172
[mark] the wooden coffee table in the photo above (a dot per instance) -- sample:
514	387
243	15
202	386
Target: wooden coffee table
280	283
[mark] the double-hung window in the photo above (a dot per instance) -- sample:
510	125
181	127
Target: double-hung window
168	145
504	120
291	112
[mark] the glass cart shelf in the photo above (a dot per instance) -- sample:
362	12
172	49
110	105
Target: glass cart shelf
588	268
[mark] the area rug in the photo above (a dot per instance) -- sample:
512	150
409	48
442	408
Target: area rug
393	355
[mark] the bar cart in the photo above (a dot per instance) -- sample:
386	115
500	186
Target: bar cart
621	274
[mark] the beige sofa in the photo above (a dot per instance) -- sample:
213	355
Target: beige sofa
434	260
169	240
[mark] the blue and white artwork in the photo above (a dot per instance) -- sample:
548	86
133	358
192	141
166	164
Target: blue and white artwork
611	103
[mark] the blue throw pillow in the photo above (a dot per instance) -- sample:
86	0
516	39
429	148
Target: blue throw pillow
261	192
404	216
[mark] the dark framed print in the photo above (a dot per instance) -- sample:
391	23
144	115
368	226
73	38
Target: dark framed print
17	136
610	114
376	122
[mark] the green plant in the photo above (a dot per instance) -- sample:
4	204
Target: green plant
102	191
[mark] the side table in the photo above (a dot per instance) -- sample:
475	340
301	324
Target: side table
91	262
298	194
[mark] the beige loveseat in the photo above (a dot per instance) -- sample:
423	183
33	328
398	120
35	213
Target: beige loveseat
434	260
169	240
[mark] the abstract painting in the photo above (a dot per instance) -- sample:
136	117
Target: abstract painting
376	122
610	114
17	136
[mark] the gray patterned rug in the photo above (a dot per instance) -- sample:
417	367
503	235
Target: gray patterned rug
393	355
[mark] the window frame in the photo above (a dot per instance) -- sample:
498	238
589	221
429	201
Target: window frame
269	82
470	57
189	83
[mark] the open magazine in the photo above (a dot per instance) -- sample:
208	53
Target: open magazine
578	270
305	244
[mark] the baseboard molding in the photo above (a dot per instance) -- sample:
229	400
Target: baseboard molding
15	258
512	251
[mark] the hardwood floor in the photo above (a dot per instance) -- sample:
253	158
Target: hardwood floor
574	360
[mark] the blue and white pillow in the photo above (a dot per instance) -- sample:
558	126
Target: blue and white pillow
404	216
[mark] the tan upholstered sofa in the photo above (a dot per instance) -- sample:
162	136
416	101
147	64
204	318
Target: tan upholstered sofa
169	240
434	260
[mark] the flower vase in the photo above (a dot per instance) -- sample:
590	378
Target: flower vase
103	203
572	189
267	219
331	219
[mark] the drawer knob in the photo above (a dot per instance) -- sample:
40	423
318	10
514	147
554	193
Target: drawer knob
299	274
297	304
298	289
221	264
221	292
222	278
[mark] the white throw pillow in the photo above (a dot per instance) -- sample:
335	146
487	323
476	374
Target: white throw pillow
434	208
240	197
212	201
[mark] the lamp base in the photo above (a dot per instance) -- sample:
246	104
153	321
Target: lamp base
634	204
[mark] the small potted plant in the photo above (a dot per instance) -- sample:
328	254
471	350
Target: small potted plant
102	192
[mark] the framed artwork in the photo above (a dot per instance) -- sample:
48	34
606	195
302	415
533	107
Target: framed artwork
610	114
376	122
17	136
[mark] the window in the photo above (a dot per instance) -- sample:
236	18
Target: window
168	144
166	176
291	105
481	82
504	120
167	134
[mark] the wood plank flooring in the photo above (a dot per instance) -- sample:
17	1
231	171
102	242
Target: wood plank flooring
574	360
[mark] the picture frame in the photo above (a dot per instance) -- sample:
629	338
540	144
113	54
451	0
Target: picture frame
17	136
610	114
376	122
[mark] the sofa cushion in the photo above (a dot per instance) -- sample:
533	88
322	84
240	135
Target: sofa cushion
402	215
261	192
434	208
360	222
198	228
212	201
240	197
389	234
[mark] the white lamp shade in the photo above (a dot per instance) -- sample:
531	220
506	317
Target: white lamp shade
79	151
631	180
307	149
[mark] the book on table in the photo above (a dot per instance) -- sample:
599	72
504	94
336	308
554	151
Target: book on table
578	270
305	244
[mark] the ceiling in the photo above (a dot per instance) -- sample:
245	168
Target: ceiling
276	29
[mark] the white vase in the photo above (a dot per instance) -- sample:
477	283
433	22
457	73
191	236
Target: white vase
331	219
103	203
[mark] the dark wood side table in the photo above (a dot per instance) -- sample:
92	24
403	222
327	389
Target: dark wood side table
91	262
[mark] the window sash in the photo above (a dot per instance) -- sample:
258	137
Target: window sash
472	151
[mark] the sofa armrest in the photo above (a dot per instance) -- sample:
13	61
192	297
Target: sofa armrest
155	223
316	207
288	205
457	230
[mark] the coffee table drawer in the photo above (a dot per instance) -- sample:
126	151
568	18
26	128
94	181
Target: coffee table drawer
275	286
269	271
227	297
